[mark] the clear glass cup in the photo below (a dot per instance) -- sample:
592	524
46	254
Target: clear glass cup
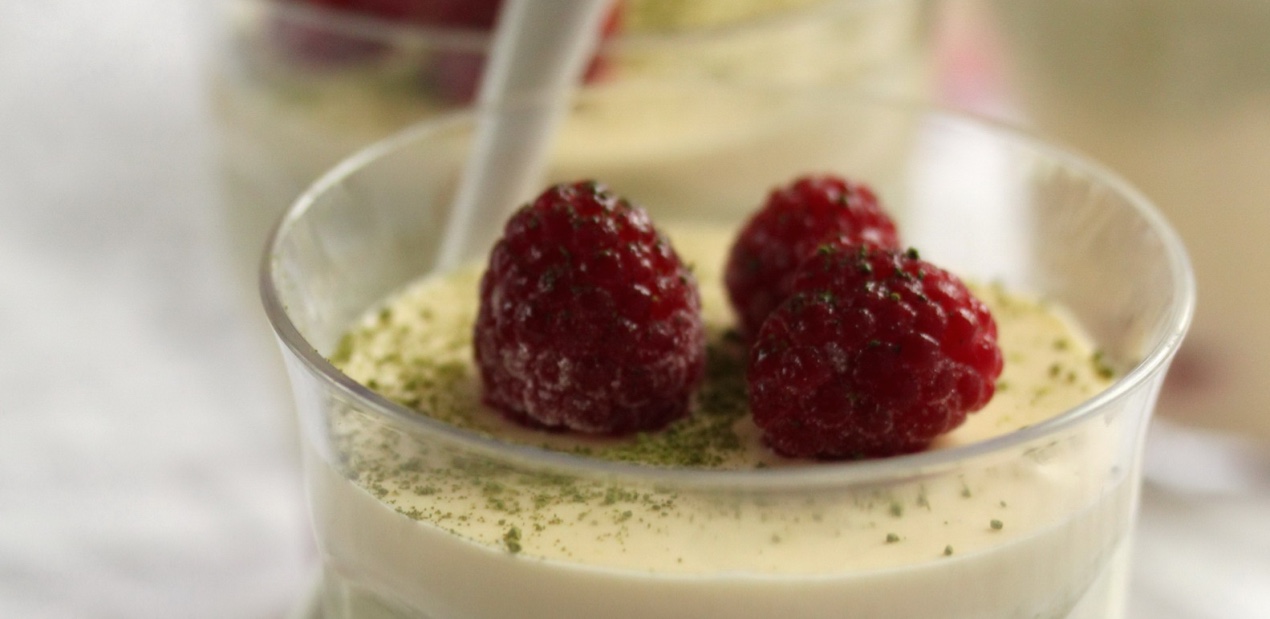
1043	516
297	86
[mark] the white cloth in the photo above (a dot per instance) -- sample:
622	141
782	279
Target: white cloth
143	466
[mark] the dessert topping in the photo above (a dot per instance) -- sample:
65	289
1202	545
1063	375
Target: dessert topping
588	319
452	68
795	220
876	353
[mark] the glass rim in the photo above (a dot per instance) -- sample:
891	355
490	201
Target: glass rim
374	28
814	474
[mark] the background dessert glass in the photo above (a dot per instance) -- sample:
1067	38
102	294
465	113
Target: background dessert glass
807	541
297	86
1175	96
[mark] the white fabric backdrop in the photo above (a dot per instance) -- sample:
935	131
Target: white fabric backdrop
143	470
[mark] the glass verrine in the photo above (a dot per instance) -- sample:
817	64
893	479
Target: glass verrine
298	85
417	518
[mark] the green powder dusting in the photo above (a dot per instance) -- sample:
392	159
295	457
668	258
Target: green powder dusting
417	352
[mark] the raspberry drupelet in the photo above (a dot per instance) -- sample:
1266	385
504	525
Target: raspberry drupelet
588	319
795	220
876	353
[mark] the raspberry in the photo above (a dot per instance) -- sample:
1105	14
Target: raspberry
795	220
456	75
326	43
588	319
453	70
470	14
875	354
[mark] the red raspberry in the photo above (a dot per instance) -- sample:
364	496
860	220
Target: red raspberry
876	353
795	221
327	43
470	14
455	73
588	319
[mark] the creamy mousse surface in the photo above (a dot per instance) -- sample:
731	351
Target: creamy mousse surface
443	533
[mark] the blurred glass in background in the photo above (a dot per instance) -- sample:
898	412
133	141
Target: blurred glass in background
300	84
1172	94
1175	96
